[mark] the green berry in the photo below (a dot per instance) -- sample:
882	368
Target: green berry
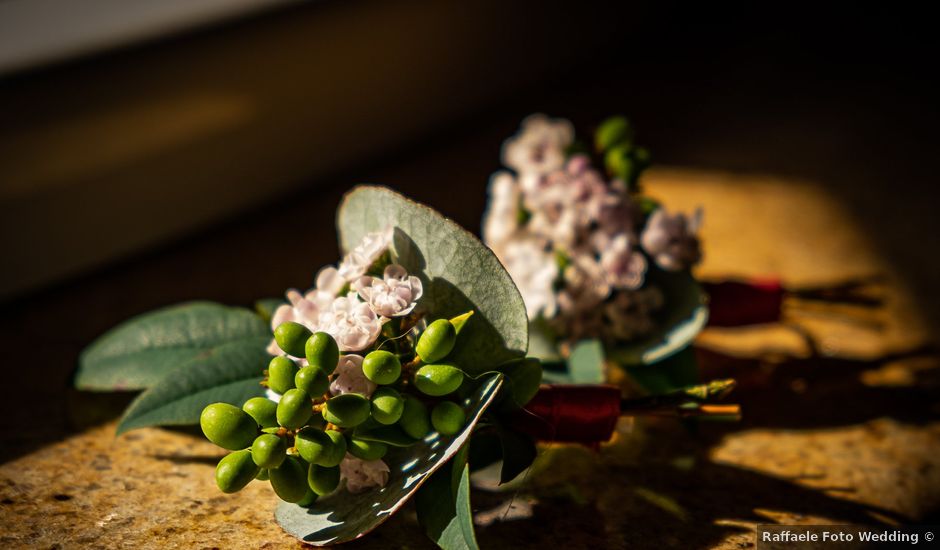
436	341
281	373
382	367
312	380
292	338
322	448
437	380
294	409
263	410
235	471
228	426
268	451
614	131
387	406
323	480
290	480
366	450
347	410
262	475
321	351
309	498
448	418
414	418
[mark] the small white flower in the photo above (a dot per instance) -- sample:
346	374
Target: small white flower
393	296
672	241
272	395
585	283
502	215
360	259
624	267
361	475
300	310
351	323
349	377
534	271
539	146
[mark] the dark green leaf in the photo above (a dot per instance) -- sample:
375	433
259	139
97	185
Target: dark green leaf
443	505
676	372
586	362
342	517
142	351
459	273
519	452
230	373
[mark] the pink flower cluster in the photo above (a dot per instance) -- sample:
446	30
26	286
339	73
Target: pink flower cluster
351	306
578	246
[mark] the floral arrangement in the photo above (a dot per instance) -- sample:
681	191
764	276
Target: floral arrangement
597	262
370	387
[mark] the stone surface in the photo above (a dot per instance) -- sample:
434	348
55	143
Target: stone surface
850	435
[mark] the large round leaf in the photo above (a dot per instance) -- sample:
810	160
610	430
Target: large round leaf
342	517
459	273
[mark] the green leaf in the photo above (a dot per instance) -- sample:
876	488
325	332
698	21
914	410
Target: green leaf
443	505
140	352
519	453
676	372
342	516
458	272
229	373
683	316
586	362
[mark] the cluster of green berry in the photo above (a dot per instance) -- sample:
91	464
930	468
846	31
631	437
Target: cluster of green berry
299	441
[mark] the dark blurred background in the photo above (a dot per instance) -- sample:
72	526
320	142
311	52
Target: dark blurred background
205	158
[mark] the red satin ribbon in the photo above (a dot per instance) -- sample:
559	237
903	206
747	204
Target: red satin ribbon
571	413
736	303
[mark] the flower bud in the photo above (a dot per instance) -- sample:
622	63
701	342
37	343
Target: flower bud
263	410
290	480
387	406
448	418
228	426
322	351
347	410
366	450
436	341
414	418
312	380
268	451
281	373
323	480
437	380
381	367
294	409
614	131
235	471
324	448
292	338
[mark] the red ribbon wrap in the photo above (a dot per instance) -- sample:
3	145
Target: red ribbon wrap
571	413
734	303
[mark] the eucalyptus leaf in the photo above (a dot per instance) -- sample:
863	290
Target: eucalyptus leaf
343	516
519	453
443	505
140	352
458	273
229	373
586	362
683	316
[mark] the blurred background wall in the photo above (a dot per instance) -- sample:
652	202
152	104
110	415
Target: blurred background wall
122	146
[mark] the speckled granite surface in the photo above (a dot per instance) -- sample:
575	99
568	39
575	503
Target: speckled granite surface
848	437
